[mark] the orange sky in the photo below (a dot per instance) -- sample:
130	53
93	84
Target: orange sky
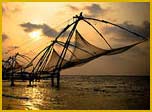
50	15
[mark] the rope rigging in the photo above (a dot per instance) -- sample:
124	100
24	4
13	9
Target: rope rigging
81	51
30	42
107	22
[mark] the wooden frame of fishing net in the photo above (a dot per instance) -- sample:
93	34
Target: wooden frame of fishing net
70	48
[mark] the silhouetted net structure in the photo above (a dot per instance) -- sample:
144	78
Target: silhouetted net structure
71	49
15	65
78	43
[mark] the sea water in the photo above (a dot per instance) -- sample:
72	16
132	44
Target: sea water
79	92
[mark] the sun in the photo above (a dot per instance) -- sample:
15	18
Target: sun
35	34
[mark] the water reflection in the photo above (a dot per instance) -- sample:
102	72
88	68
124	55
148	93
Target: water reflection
36	98
78	92
29	106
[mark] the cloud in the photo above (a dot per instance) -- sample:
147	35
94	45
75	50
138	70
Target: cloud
143	29
29	27
124	37
73	8
95	10
4	37
47	31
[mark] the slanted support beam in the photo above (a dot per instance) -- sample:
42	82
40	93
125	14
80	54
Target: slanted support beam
63	53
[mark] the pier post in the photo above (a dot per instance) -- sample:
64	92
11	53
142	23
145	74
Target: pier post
12	78
58	80
52	80
12	82
30	79
30	83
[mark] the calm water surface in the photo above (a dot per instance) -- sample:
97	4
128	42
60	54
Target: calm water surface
80	92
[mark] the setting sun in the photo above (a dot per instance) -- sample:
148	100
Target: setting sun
35	34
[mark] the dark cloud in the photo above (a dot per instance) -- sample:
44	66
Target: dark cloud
48	31
95	10
4	37
73	8
143	29
29	27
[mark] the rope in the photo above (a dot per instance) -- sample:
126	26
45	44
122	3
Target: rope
107	22
28	42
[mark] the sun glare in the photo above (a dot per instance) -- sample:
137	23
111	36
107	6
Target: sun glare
35	34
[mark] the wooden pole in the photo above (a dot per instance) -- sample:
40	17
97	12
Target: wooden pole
30	79
52	80
63	53
12	80
12	73
58	80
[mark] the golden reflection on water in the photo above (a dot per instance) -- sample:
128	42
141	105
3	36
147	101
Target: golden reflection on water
30	106
35	98
79	93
